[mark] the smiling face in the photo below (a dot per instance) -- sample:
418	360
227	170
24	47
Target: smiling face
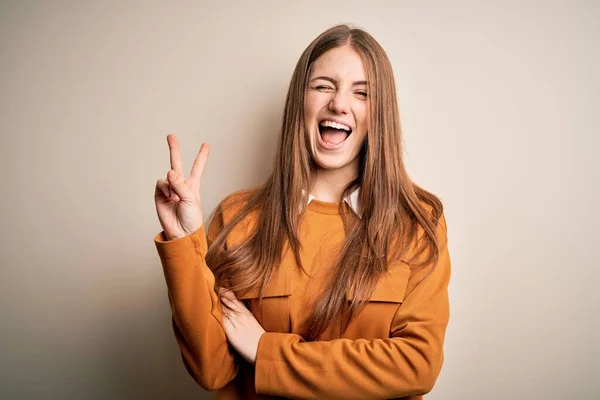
336	110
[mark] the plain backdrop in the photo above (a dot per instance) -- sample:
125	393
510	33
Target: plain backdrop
499	104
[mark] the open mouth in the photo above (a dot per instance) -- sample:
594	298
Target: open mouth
334	133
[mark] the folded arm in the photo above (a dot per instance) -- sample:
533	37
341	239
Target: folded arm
405	364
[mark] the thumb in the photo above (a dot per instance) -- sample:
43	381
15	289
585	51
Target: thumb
178	185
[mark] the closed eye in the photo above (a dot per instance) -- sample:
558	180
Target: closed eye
323	88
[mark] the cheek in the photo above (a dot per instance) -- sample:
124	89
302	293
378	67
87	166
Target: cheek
307	115
314	103
361	137
362	118
309	102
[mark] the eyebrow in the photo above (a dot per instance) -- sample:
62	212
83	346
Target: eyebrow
327	78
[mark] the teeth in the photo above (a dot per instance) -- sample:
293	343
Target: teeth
331	124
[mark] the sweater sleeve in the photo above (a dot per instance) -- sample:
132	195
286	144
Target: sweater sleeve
197	316
405	364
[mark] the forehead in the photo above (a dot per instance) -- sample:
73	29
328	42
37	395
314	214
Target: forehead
341	63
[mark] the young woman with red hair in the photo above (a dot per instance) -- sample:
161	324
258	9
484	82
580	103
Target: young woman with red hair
330	280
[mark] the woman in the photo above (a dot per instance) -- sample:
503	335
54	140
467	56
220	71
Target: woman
330	280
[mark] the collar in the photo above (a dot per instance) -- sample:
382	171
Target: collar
351	199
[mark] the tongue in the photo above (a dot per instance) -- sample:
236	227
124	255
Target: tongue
334	136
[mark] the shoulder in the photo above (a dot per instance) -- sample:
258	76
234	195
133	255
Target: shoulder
236	202
226	212
431	208
434	213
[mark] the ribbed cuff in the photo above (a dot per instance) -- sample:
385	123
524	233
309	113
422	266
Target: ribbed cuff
170	249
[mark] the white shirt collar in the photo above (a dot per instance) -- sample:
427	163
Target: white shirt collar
351	199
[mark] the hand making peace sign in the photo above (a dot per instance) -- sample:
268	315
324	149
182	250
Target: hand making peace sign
177	198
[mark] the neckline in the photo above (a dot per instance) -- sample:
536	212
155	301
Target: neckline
325	207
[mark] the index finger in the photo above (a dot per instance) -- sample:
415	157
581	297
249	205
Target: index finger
175	154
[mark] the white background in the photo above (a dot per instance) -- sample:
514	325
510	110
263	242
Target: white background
499	103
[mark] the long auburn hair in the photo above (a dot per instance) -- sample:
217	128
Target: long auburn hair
392	206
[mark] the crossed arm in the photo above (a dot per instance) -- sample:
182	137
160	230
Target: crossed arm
405	364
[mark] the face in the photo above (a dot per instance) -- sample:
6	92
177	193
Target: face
336	109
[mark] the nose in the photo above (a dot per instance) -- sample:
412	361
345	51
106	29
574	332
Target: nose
340	102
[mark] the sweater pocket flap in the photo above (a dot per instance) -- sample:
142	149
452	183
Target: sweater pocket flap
391	286
280	286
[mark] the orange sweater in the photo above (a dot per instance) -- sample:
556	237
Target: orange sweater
393	349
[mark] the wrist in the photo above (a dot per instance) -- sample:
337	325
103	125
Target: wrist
169	237
174	236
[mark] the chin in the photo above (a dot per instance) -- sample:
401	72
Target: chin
331	162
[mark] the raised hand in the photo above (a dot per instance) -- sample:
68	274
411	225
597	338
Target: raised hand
177	198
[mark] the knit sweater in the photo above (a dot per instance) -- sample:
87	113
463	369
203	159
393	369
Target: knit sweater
392	349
